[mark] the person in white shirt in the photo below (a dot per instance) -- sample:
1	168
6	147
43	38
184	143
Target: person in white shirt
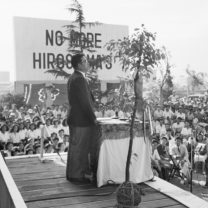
155	159
160	129
64	112
106	112
171	139
61	135
167	113
59	119
8	147
52	107
38	129
155	155
65	126
56	111
56	127
49	113
66	141
173	98
186	131
190	115
35	111
31	114
15	111
12	117
158	113
21	111
48	126
98	113
109	112
14	135
180	154
31	133
178	126
22	131
27	124
61	147
118	112
180	114
4	133
23	116
101	111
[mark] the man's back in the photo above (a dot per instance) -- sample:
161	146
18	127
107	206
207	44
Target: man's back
81	101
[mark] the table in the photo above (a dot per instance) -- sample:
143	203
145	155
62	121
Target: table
109	152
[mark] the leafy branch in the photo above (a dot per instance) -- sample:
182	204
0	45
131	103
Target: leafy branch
138	55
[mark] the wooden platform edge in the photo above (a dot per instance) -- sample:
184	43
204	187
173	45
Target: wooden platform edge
184	197
12	197
50	155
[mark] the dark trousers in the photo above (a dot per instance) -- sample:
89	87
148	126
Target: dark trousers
79	148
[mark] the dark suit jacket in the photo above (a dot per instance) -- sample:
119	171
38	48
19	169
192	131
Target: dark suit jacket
81	101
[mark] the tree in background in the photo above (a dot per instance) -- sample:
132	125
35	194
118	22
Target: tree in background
152	93
165	82
79	43
195	80
12	98
137	54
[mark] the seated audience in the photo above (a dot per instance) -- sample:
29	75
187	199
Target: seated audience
180	154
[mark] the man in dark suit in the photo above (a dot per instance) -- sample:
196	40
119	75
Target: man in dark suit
81	120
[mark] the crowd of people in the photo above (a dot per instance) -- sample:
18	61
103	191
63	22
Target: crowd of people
180	136
21	130
179	126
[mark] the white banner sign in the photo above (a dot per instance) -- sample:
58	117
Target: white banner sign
37	47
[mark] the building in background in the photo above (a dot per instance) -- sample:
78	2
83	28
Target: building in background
37	46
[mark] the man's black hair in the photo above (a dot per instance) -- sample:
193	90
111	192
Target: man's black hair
76	59
178	138
165	138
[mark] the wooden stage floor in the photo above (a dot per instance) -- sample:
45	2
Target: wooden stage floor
44	185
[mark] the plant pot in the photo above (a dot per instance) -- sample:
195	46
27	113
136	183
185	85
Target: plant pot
128	195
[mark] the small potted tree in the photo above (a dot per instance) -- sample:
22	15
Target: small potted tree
137	55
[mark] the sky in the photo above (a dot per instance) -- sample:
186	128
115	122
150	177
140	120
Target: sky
181	25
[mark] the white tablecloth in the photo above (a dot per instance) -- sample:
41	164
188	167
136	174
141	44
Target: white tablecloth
113	157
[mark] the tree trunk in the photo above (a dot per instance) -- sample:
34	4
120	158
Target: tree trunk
138	105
